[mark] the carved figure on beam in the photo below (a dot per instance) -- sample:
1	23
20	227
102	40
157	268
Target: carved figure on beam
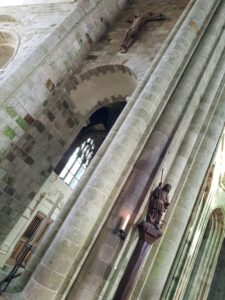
136	26
149	232
158	204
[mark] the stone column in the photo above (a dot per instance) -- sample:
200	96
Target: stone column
148	234
177	119
156	280
205	263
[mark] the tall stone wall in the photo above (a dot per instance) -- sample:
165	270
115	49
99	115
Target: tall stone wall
37	124
173	121
38	121
153	125
31	25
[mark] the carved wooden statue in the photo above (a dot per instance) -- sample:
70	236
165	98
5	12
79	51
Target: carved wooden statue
137	24
158	203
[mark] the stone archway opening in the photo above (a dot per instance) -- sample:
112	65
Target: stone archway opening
97	98
79	155
202	273
8	47
100	87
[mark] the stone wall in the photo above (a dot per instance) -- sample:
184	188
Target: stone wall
37	124
38	121
43	201
31	25
81	234
173	121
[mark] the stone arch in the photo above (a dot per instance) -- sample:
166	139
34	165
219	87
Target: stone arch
87	143
8	47
206	259
94	94
110	83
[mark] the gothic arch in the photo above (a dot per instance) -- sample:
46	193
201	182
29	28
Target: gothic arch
203	270
195	264
217	288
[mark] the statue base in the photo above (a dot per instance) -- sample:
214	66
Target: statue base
148	232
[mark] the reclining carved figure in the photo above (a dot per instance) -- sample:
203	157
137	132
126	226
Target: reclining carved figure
136	26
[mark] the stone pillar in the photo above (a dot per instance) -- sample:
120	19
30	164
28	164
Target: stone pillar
148	234
217	289
208	252
162	147
156	280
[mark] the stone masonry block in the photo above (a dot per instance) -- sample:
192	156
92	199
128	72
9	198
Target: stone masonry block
52	279
55	258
